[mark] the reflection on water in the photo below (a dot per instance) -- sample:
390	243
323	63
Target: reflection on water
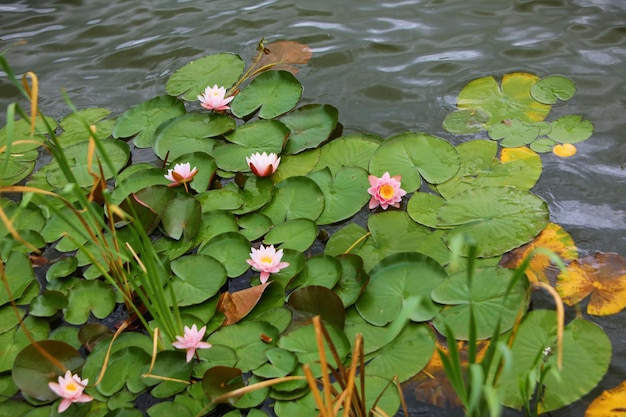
388	67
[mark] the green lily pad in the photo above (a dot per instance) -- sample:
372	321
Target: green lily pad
466	122
345	192
487	297
391	232
586	358
401	281
257	192
423	208
17	166
551	89
294	198
413	156
137	181
253	398
19	275
302	342
245	338
77	126
48	303
512	100
167	408
296	165
260	136
206	169
198	278
543	145
316	300
227	198
310	125
21	140
116	151
169	364
353	150
480	167
571	129
221	380
322	270
15	339
352	281
223	70
231	249
143	119
280	363
303	406
87	297
498	219
274	92
254	225
513	132
32	371
406	355
190	133
346	239
181	218
214	223
297	234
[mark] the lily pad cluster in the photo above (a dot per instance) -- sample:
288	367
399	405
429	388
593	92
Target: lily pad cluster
385	274
515	111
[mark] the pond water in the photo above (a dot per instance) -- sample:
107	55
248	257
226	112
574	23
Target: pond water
388	66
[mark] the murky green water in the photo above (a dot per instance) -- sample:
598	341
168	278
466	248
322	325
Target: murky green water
388	66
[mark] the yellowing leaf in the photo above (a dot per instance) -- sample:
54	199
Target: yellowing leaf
602	276
516	154
540	269
611	403
565	150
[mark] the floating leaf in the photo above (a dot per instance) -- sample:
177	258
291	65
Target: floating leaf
310	125
15	339
321	270
423	208
551	89
552	238
602	276
416	155
517	167
511	101
609	404
297	234
77	127
231	249
257	192
198	278
19	275
466	122
514	133
406	355
401	281
281	362
353	150
353	279
236	305
87	297
254	225
491	301
317	300
571	129
260	136
249	341
227	198
294	198
181	217
190	133
32	371
143	119
191	80
281	55
497	218
274	92
345	192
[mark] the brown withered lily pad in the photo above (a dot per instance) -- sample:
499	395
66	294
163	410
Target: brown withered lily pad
282	55
541	269
237	305
601	276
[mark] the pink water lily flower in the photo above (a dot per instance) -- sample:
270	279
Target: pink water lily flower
266	260
191	340
181	174
262	164
70	388
213	98
385	191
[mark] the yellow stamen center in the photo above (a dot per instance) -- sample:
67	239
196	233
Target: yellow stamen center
71	386
386	191
266	260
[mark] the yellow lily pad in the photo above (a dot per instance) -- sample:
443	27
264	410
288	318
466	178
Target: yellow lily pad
602	277
611	403
565	150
